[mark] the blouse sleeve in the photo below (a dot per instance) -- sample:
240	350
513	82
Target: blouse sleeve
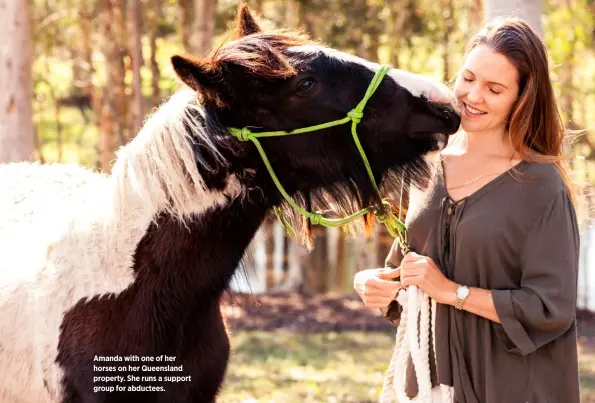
393	311
394	257
543	308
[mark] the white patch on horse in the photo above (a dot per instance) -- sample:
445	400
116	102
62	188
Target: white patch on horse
68	234
418	85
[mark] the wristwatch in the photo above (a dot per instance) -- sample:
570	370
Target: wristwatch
462	294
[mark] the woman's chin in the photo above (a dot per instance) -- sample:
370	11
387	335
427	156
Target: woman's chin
470	126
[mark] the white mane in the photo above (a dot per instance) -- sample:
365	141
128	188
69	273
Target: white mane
158	168
68	234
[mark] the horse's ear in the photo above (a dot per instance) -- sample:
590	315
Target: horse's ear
196	75
247	23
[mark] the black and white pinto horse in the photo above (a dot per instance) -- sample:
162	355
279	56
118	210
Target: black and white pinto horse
135	262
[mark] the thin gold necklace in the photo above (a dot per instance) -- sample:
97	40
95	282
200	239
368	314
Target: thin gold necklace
474	180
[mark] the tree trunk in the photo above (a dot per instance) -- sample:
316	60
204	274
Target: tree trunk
374	28
297	257
119	66
317	262
279	255
396	19
529	10
110	121
137	62
292	14
154	14
185	26
17	134
204	17
449	22
94	94
567	75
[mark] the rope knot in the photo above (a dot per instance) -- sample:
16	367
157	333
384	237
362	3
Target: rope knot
244	134
381	211
355	115
316	218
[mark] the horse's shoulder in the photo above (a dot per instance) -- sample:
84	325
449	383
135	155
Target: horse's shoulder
22	173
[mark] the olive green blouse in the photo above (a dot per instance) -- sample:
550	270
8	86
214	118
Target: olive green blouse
518	237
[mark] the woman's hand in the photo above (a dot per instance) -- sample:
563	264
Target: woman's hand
422	272
375	288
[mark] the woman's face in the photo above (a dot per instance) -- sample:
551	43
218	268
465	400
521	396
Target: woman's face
486	89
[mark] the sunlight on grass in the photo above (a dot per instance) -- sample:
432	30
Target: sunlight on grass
587	366
284	367
325	367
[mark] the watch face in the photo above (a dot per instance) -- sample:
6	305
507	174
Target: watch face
462	292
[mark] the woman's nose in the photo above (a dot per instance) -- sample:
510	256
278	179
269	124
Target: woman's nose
474	94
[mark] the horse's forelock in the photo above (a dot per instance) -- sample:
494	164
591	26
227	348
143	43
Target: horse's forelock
262	55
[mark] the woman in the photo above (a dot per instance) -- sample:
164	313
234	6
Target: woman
495	236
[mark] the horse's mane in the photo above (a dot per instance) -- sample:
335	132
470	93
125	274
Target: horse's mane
158	168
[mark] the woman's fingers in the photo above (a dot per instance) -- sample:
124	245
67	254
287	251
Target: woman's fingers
412	268
411	280
374	291
389	274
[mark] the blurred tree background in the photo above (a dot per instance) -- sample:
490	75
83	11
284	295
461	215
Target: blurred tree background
78	78
85	73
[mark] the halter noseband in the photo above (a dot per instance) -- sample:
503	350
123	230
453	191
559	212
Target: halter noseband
382	211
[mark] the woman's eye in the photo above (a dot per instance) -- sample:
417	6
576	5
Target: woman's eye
494	92
467	79
305	85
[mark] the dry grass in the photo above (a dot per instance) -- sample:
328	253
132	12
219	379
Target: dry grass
346	367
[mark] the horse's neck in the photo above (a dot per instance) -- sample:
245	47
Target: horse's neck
188	266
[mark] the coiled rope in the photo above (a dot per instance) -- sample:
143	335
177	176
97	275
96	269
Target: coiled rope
415	303
417	306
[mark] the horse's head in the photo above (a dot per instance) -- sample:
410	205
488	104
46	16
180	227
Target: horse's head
278	80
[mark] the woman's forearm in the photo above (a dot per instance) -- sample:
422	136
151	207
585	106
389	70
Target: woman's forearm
479	302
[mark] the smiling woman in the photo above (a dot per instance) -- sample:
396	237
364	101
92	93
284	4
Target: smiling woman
495	243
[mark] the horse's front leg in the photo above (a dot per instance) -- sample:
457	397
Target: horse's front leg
70	395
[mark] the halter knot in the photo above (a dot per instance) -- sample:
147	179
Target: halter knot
355	115
316	218
244	134
381	210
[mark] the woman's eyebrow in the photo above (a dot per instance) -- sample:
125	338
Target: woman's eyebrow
489	82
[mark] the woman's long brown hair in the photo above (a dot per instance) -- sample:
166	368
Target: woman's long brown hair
536	129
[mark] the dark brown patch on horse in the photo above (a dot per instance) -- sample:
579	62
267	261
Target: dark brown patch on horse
172	309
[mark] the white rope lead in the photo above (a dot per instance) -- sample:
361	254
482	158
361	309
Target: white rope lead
415	302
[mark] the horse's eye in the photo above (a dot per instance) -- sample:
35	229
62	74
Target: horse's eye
306	85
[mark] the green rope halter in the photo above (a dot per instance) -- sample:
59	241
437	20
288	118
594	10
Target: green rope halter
383	212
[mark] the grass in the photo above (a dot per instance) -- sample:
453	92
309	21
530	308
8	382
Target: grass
285	367
322	367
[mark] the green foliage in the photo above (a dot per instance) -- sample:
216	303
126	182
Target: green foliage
359	27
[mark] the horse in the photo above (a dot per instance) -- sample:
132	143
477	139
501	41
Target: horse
110	284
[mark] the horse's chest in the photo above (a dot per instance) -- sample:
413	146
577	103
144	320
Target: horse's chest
192	377
188	367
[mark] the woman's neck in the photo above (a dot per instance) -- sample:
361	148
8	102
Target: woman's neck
492	144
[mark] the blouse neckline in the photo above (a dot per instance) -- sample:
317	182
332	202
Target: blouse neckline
484	189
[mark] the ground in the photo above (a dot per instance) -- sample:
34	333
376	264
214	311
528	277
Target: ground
292	347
